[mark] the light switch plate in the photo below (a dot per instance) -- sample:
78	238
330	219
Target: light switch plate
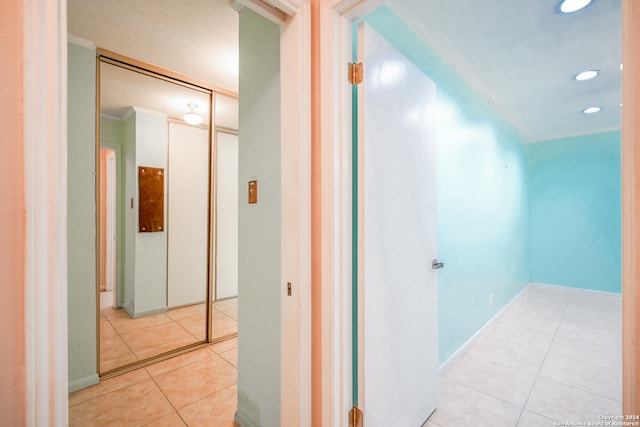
253	192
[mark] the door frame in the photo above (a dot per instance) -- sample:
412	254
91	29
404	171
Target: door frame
118	279
331	149
111	224
44	83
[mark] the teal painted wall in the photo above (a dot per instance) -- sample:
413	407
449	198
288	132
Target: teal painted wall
576	212
259	225
483	201
81	216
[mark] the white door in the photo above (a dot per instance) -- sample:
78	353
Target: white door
398	238
187	224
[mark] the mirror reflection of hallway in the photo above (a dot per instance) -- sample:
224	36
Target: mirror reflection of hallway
157	289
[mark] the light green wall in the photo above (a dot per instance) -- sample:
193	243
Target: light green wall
111	130
259	224
81	217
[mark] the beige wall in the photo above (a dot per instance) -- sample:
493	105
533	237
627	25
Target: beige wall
12	220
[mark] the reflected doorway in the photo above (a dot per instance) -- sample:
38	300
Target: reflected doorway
108	221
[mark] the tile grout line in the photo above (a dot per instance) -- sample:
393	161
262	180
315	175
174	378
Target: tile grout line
167	398
543	362
580	388
467	351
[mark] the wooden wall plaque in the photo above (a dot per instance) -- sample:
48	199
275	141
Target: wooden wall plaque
151	199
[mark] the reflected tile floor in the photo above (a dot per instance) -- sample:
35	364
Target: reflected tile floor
125	340
198	388
554	355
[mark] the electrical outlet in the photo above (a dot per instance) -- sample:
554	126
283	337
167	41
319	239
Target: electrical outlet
490	300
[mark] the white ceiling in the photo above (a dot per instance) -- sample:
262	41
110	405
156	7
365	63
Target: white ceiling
520	55
120	89
197	38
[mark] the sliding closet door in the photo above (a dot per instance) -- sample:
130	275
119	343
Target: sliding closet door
188	175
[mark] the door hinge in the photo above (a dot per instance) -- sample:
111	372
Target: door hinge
356	73
289	289
356	417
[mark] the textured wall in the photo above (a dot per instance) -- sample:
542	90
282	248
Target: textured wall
576	212
259	224
81	217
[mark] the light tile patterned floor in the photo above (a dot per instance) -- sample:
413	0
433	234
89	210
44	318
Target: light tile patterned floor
195	389
555	355
125	340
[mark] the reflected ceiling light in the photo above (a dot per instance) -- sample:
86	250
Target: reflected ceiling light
586	75
192	117
570	6
591	110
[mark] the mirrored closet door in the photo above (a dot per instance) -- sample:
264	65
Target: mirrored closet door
157	195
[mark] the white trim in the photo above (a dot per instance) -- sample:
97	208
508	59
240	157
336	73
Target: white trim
295	60
356	9
336	17
72	38
45	163
464	347
290	7
271	13
335	53
274	10
570	288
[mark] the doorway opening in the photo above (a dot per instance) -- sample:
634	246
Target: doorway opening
108	226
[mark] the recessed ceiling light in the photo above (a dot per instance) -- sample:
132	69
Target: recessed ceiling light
586	75
570	6
591	110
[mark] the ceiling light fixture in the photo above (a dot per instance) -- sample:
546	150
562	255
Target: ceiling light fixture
192	117
586	75
591	110
570	6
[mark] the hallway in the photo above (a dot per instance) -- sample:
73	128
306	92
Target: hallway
195	389
554	356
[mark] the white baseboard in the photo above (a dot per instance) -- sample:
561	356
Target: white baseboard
458	353
570	288
83	383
